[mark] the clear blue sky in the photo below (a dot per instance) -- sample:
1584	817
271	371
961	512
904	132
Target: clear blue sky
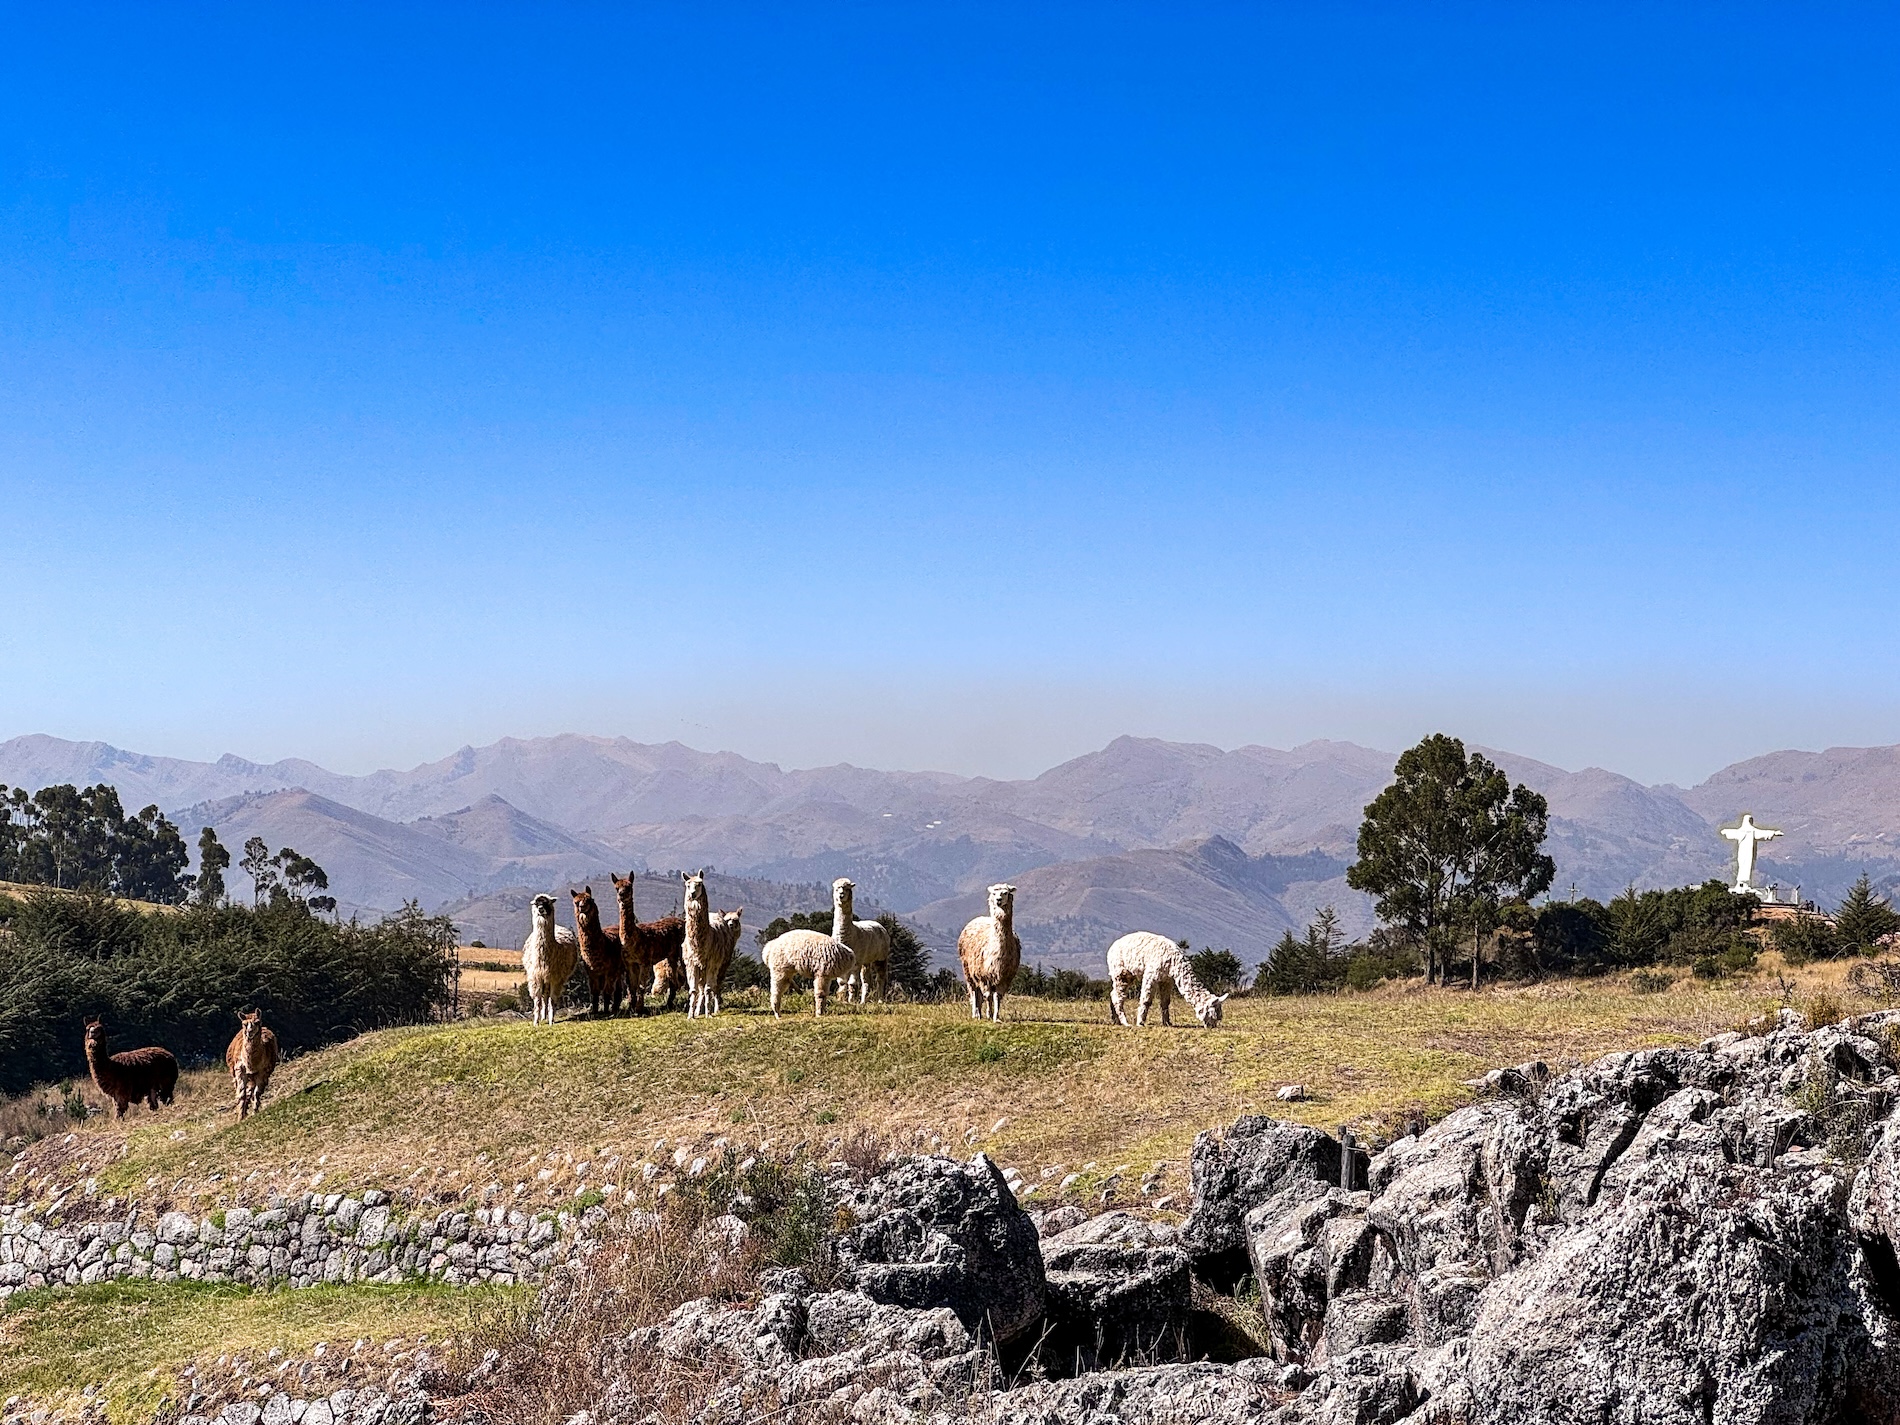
954	387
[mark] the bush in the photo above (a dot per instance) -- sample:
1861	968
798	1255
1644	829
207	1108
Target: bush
1061	984
1651	982
1803	939
180	979
1219	970
1731	960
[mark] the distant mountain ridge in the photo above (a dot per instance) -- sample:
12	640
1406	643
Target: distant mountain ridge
1123	834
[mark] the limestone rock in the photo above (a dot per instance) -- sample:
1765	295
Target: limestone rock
1118	1291
932	1232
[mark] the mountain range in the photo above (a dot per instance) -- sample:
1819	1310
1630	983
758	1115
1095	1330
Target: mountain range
1218	846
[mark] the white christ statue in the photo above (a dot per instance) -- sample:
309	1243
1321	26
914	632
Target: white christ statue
1746	837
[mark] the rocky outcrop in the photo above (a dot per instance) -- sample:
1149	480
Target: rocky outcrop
1251	1163
937	1233
1677	1235
1118	1294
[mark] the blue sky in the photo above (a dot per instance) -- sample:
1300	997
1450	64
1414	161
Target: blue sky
951	387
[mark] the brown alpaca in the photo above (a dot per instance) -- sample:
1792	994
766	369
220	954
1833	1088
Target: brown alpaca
600	954
150	1074
250	1060
655	948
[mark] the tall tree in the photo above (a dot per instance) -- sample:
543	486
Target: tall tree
257	865
302	876
1445	844
1864	917
149	858
213	862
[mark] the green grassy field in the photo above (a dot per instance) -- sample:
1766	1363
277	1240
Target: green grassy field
441	1112
129	1340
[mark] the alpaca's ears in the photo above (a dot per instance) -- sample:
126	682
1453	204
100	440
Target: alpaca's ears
1222	999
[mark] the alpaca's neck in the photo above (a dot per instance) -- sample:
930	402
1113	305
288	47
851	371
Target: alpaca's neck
840	916
1003	918
626	912
100	1063
1192	990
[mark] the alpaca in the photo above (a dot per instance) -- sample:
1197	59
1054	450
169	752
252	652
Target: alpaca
250	1060
705	950
1162	968
547	958
150	1074
991	954
600	953
805	953
725	931
651	949
870	944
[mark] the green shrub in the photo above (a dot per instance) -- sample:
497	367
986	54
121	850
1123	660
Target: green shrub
1803	939
1651	982
1732	959
180	979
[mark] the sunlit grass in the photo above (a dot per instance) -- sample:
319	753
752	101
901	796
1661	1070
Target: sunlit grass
129	1340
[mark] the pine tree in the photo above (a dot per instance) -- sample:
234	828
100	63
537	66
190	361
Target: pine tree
1864	918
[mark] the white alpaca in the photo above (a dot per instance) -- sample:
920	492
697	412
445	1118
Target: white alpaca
991	954
547	958
869	943
1162	967
725	935
706	950
805	953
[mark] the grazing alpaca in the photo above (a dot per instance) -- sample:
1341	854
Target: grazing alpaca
991	954
547	958
150	1074
600	953
805	953
870	945
652	949
1161	967
250	1059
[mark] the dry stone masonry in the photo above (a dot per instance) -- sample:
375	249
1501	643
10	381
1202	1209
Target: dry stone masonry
296	1241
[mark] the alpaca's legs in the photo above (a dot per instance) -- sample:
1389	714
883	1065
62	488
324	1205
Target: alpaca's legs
996	1006
777	993
818	996
975	1011
1147	1001
1115	1000
1167	1002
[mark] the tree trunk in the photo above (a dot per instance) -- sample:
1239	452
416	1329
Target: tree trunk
1477	943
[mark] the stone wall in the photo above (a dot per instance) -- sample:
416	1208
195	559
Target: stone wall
298	1241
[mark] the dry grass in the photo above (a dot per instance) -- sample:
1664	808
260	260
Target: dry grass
442	1111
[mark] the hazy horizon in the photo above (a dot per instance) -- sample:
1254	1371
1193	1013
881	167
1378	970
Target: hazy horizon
1026	771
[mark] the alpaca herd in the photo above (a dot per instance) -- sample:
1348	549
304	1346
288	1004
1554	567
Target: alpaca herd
854	960
635	960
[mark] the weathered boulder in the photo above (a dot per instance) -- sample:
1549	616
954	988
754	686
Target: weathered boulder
932	1232
1233	1172
1118	1292
1708	1292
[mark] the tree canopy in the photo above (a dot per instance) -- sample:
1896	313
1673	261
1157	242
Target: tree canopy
1446	844
81	839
